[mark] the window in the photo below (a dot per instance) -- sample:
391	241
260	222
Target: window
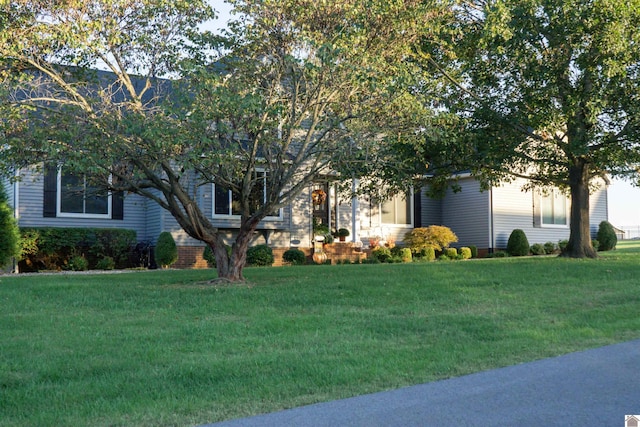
78	197
553	209
397	210
226	203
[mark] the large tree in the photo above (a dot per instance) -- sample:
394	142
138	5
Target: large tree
289	100
547	90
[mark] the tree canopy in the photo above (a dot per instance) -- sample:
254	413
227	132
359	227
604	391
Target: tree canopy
291	90
543	89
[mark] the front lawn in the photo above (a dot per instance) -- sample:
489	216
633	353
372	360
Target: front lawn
160	348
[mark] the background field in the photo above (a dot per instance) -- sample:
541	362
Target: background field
162	348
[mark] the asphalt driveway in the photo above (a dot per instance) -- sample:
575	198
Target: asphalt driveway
589	388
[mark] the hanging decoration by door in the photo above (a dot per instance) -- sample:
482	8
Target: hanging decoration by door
318	196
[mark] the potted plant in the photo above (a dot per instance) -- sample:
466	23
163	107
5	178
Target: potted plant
342	234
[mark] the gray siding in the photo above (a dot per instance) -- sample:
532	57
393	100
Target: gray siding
514	209
31	206
430	210
466	213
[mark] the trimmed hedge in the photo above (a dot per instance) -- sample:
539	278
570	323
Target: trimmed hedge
48	248
294	256
260	256
9	232
518	245
166	252
606	237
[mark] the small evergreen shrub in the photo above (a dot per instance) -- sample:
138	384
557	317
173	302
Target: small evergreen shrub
381	253
538	249
435	236
451	253
78	263
210	257
474	251
518	245
405	255
550	248
260	256
106	263
498	254
294	256
428	254
9	231
465	252
595	243
562	245
607	236
166	251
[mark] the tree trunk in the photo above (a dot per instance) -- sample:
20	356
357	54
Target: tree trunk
231	267
580	233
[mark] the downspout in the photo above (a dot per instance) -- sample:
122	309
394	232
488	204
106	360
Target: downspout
16	212
354	211
491	225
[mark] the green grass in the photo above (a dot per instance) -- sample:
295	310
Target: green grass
160	348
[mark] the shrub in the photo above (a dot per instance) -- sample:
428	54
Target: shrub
550	248
166	251
607	236
435	236
78	263
381	253
498	254
342	232
518	245
9	232
405	255
428	254
260	256
465	252
474	251
210	257
106	263
538	249
294	256
595	243
562	245
451	253
51	248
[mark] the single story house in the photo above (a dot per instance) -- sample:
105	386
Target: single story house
481	218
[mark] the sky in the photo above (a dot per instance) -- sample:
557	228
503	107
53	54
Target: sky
623	198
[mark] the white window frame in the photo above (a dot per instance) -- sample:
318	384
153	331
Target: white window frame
230	215
409	197
61	213
554	196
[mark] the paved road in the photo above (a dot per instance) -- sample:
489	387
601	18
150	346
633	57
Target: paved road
590	388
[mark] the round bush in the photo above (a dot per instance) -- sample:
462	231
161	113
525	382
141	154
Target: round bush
294	256
550	248
428	254
465	253
451	253
538	249
166	251
606	236
381	253
9	232
405	255
78	263
260	256
106	263
518	245
474	251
